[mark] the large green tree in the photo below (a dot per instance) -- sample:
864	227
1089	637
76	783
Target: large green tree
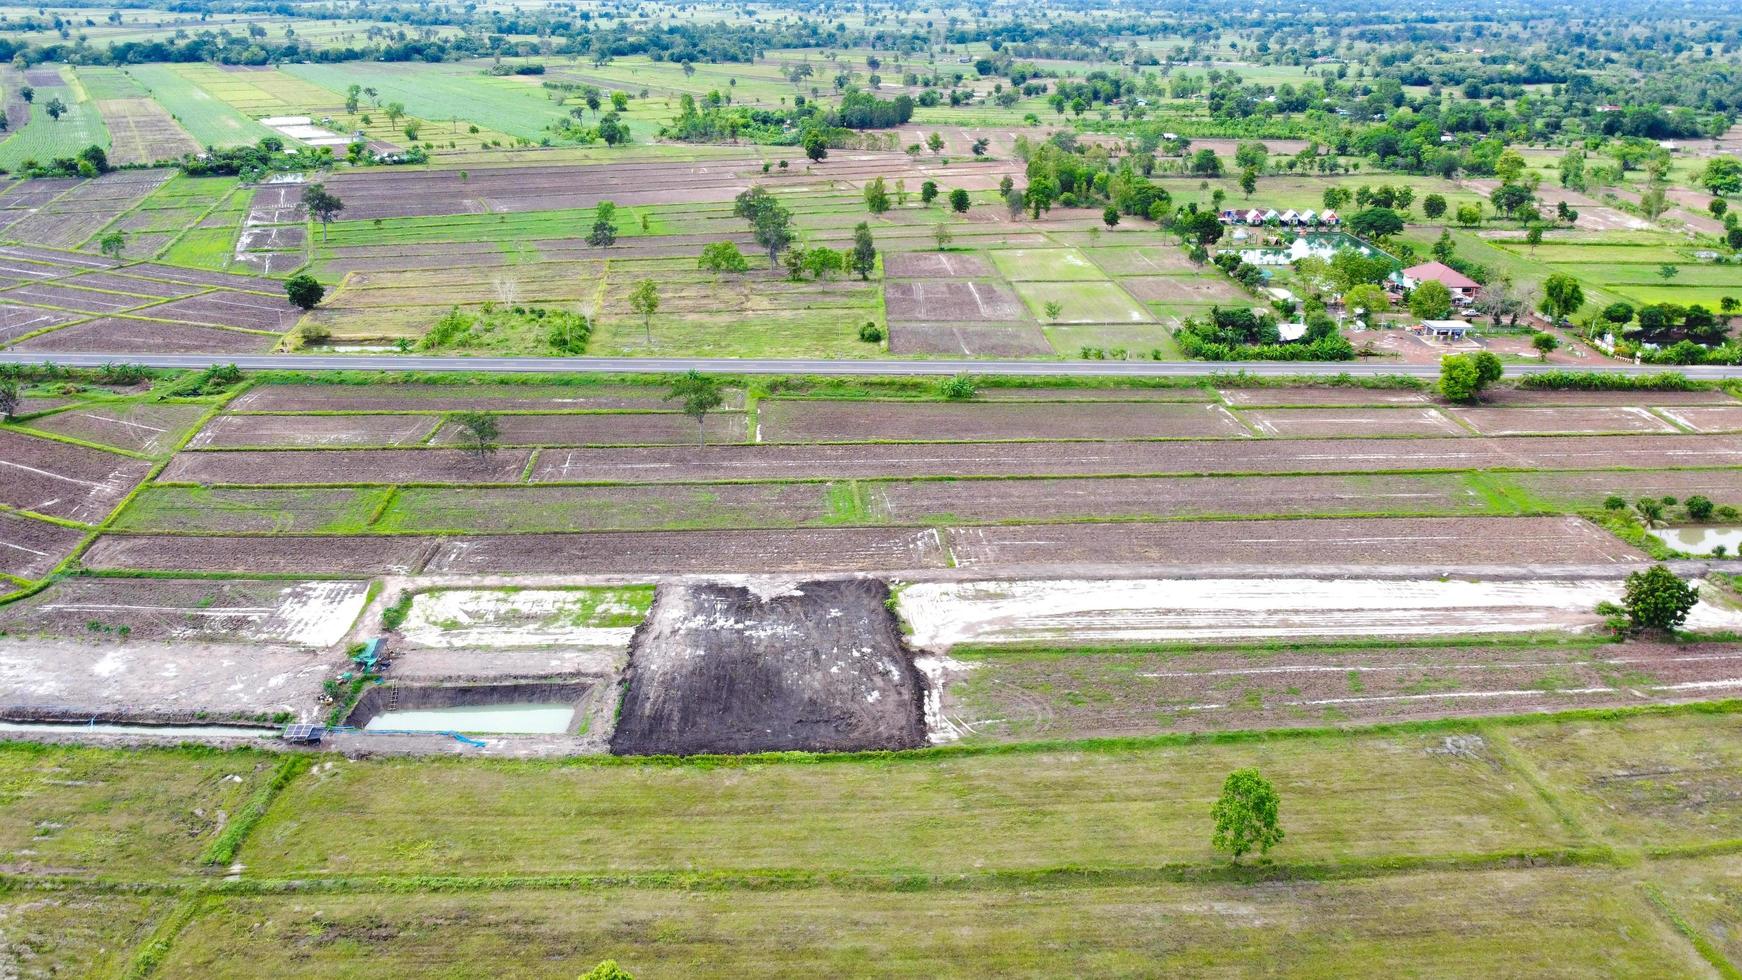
1247	815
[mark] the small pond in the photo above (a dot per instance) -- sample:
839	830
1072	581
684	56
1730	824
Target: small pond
481	719
1701	540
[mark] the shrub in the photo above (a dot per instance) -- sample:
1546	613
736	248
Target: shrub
1699	508
871	333
960	387
1613	502
1656	599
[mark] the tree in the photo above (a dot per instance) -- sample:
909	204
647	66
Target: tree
55	108
928	192
943	236
1510	199
1545	344
1110	216
604	230
304	291
27	93
876	196
1668	271
1653	203
769	220
479	431
1376	223
1464	376
1248	181
644	299
1430	300
1336	197
1053	309
609	970
113	243
959	201
1656	599
1246	815
816	146
321	205
1433	206
934	143
1562	296
1366	301
9	398
698	394
1205	163
1469	215
723	257
864	251
1718	207
1723	175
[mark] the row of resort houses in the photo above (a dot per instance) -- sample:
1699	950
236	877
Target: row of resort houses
1291	217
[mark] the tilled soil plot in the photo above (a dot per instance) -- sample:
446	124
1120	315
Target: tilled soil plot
347	466
315	614
72	298
137	285
449	398
178	681
124	335
1225	456
314	430
204	277
631	429
1359	541
991	501
1717	418
969	339
1591	489
309	555
936	265
142	427
1090	695
16	321
663	507
227	308
678	552
932	299
1512	397
1320	422
31	549
817	667
1317	397
63	480
825	421
1554	421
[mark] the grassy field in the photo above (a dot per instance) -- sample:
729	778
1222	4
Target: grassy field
44	139
207	119
439	93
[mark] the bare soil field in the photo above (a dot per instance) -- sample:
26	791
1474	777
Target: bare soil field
313	614
180	681
1414	541
995	501
63	480
310	431
16	321
936	265
818	666
388	193
1184	289
206	277
1560	421
1159	393
262	554
626	429
1325	397
136	285
30	548
448	398
1011	696
1528	397
969	339
304	466
127	335
141	131
147	427
1718	418
832	421
38	192
226	308
1333	422
950	300
65	297
766	462
656	552
621	508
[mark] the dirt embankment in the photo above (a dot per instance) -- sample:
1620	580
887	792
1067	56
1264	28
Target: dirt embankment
818	666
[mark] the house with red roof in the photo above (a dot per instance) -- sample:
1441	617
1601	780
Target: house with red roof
1462	287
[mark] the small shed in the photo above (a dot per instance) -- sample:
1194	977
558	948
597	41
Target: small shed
1445	329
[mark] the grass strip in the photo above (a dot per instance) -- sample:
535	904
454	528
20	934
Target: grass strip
224	847
1708	952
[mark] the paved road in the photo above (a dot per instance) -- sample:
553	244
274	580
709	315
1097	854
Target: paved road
727	365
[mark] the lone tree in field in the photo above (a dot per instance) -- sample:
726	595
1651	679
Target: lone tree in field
1464	376
1656	599
723	257
959	202
816	146
864	256
304	291
9	398
479	431
876	196
321	205
943	235
113	244
698	395
55	109
1246	815
604	233
645	301
769	219
1562	296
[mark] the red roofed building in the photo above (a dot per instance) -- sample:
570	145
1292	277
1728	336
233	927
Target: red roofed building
1461	286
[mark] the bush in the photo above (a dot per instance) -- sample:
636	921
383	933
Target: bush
1600	381
1613	502
871	333
961	387
1656	599
1699	508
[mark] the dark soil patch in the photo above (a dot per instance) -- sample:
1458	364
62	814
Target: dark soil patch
1530	421
314	430
817	668
1316	397
347	466
63	480
936	265
951	300
603	429
840	421
693	552
446	398
125	335
31	549
969	339
310	555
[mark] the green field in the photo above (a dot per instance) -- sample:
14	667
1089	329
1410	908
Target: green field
209	120
45	139
1081	302
439	93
